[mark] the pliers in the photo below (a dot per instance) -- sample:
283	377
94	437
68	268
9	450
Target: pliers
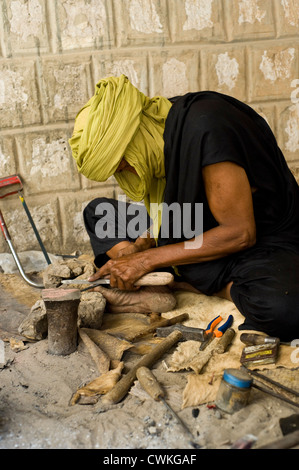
212	332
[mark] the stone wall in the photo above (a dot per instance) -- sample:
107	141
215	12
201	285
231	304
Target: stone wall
52	52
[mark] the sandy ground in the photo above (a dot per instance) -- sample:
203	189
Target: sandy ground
36	388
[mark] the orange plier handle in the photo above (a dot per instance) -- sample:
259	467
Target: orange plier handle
212	325
220	330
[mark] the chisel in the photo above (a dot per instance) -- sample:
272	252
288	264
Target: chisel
151	279
151	385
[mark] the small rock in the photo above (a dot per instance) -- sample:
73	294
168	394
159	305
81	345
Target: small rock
152	430
91	310
35	325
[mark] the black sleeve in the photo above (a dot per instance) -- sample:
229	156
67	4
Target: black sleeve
221	143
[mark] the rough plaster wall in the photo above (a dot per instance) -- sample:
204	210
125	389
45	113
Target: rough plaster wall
52	52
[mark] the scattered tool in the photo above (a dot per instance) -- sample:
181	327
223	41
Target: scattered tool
151	385
269	391
212	332
189	333
122	387
5	183
151	279
219	348
260	354
258	375
251	339
152	328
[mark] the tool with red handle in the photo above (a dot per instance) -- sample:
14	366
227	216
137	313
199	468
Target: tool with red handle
13	185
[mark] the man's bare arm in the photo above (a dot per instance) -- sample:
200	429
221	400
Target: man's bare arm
230	200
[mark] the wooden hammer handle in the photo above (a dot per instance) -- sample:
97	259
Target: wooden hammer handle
123	386
152	328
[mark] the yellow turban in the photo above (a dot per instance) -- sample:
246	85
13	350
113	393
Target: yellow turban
120	121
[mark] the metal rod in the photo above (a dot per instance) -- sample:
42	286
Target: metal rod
19	266
276	395
14	254
34	228
273	382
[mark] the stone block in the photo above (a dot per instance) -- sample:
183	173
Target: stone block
44	211
288	130
141	22
46	162
250	19
196	20
19	99
287	17
85	24
67	84
272	70
225	71
75	236
26	26
7	157
173	72
129	63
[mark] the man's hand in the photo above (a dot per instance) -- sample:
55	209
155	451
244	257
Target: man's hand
123	272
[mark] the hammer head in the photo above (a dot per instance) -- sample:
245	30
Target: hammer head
188	332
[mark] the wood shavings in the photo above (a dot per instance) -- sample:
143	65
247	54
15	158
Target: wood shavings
186	357
199	390
112	346
100	358
17	345
99	386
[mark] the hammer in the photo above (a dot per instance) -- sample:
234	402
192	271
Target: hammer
189	333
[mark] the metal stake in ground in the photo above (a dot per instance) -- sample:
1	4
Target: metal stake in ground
62	313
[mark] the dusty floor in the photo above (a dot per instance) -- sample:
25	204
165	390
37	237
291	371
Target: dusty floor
36	388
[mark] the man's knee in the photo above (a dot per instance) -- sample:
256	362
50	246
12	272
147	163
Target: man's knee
276	315
285	314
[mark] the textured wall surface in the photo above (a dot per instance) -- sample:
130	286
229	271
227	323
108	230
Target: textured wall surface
52	52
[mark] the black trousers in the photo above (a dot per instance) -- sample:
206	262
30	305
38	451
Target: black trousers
265	278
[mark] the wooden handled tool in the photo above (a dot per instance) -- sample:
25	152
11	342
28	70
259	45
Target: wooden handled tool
252	339
123	386
151	279
164	322
151	385
218	348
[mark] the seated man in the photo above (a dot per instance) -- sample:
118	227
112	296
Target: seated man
204	148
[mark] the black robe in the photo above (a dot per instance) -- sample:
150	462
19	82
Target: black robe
207	127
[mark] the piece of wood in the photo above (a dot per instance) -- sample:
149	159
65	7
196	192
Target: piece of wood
225	341
123	386
152	328
101	360
62	314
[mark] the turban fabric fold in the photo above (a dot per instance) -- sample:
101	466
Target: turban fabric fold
119	122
